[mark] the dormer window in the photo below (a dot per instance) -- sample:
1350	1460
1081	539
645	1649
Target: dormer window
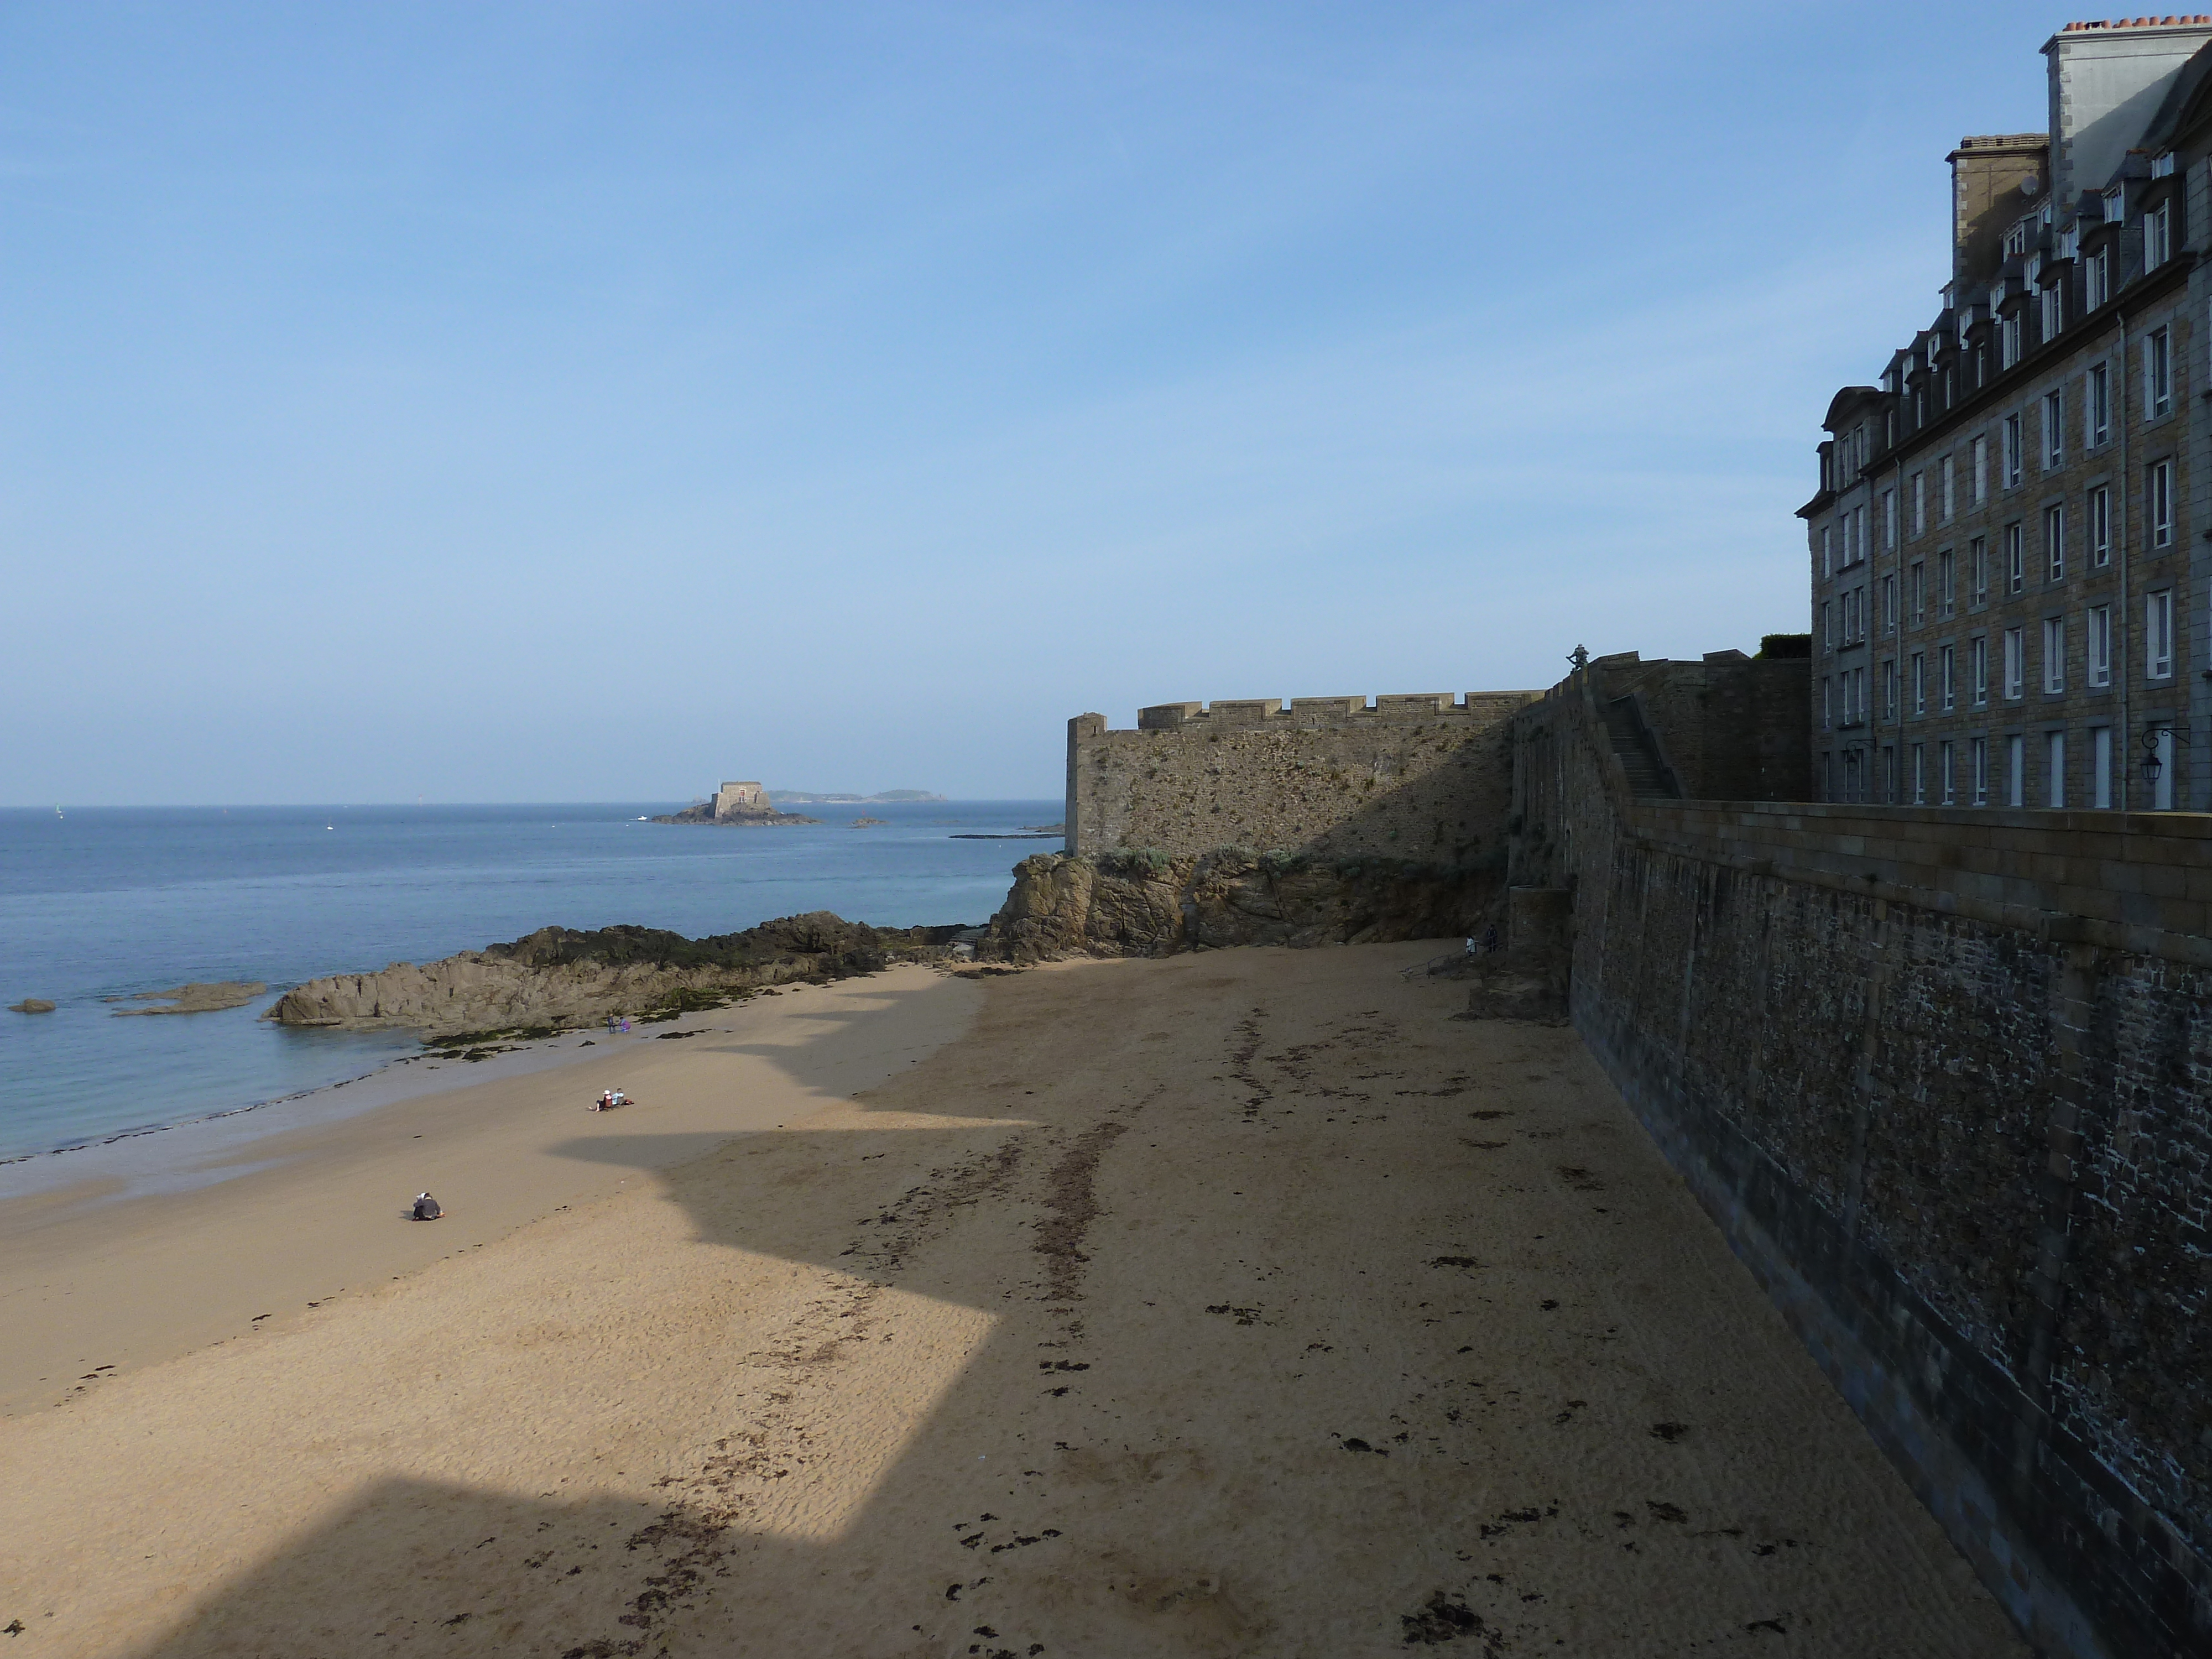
2158	235
2015	242
2161	167
2116	204
2097	277
2069	242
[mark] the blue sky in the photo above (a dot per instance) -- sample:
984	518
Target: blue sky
591	402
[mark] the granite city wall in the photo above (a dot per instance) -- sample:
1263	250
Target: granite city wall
1944	1080
1423	779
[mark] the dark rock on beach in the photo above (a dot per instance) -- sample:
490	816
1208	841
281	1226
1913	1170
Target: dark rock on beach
31	1005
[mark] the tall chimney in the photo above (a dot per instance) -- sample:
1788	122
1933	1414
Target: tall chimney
2107	80
1994	180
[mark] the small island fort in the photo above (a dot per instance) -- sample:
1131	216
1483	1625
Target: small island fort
744	803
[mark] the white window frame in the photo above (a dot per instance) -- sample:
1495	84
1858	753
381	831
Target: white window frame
2015	770
1981	468
2100	767
2097	279
1949	500
2054	542
2158	235
2016	546
2098	646
2054	428
2101	527
2054	655
2054	771
2158	502
2158	373
1919	775
2015	664
1978	749
2014	462
1947	676
1889	521
1947	770
1919	682
2097	400
1919	502
2158	635
1977	661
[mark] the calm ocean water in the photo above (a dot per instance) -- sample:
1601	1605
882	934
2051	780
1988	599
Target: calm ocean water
107	902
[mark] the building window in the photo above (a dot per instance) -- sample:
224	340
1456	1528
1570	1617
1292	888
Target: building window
1919	775
1828	548
1919	682
2100	405
2157	635
1827	704
2158	373
1978	751
1919	502
2008	341
1943	770
2100	767
2054	769
2115	205
2015	667
1858	535
1947	667
2101	527
1977	560
1859	709
1977	669
2012	457
1916	591
2015	770
1981	447
2015	560
1947	581
1889	521
1827	633
1889	605
2054	654
1889	689
2100	645
2097	279
2158	236
2158	503
1949	503
2162	793
2054	543
2054	429
2054	312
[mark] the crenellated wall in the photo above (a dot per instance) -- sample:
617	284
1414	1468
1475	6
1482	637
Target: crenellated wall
1421	778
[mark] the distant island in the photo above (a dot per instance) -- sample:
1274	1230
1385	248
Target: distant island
741	803
806	798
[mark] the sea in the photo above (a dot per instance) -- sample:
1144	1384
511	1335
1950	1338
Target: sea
99	904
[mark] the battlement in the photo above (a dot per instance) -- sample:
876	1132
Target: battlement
1323	714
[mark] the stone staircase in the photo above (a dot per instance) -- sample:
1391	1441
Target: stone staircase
1646	781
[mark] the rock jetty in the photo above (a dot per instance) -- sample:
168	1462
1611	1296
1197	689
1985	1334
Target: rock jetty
560	976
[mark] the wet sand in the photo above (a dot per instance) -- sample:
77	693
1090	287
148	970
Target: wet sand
1241	1303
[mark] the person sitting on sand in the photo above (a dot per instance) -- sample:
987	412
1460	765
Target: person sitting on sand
427	1208
606	1100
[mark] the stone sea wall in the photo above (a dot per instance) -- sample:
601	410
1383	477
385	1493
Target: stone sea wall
1946	1087
1423	779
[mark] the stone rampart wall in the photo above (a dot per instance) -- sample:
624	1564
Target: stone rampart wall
1423	779
1944	1079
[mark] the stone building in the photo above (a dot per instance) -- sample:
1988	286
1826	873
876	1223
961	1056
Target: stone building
737	800
2008	564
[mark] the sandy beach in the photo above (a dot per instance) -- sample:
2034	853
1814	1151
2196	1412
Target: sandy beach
1242	1302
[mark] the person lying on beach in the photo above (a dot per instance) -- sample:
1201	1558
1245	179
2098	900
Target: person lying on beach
427	1208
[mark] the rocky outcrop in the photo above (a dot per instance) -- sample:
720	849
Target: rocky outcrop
1141	904
31	1005
200	997
561	976
704	813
